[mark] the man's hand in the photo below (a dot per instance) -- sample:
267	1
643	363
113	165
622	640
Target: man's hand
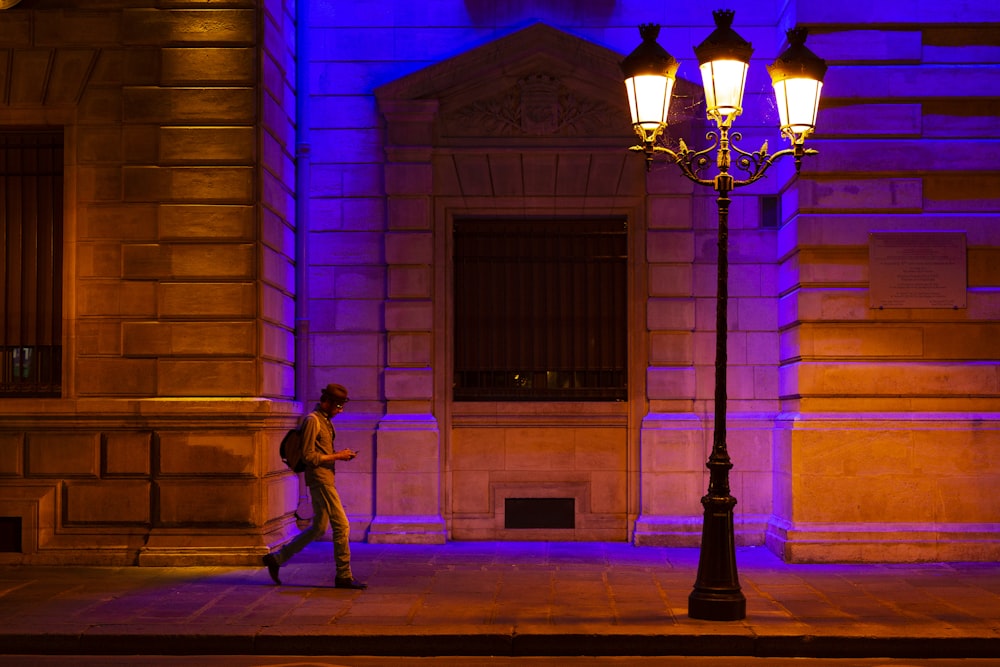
341	455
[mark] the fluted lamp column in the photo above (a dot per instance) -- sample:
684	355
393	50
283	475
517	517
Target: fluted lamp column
723	58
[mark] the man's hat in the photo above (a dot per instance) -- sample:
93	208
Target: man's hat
337	392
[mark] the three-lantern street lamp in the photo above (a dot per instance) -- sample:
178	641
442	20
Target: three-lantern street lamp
797	76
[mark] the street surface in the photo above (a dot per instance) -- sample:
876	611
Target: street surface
574	661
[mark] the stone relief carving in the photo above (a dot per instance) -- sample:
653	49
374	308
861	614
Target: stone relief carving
538	105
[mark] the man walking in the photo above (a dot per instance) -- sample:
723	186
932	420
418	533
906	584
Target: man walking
319	456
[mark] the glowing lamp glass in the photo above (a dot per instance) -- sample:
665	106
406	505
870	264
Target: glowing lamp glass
649	100
724	81
798	103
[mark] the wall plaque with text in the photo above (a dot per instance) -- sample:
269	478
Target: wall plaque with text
917	269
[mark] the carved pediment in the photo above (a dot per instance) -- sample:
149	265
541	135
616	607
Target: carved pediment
538	82
537	105
535	85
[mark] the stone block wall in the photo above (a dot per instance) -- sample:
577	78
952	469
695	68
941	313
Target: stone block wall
276	193
169	151
891	414
178	282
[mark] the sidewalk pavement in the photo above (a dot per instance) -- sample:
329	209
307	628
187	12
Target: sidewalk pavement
503	599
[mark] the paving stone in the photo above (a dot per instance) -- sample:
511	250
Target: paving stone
504	599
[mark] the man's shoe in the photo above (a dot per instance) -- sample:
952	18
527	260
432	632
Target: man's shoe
350	583
272	567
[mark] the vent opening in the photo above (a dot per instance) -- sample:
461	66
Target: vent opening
10	534
539	513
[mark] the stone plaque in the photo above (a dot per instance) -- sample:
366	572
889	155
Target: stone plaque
917	269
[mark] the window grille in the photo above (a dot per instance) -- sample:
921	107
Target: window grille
31	204
540	309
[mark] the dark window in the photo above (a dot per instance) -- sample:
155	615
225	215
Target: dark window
540	309
770	211
31	189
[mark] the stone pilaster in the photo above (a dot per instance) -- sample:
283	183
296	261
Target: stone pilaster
408	459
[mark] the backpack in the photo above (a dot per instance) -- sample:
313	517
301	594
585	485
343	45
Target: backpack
290	449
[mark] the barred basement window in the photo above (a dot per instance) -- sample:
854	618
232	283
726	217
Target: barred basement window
540	309
31	205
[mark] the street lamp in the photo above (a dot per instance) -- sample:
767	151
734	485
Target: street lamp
797	76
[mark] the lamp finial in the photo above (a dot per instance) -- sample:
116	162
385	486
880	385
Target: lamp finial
723	18
797	36
649	31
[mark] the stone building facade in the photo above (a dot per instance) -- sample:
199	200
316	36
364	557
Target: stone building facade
260	197
177	282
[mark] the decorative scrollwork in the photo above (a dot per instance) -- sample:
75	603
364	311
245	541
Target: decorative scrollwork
694	164
751	163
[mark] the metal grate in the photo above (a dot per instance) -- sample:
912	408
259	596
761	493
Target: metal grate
540	309
31	204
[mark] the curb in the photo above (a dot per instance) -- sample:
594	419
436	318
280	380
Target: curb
404	642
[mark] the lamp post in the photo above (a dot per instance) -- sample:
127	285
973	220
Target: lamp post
797	76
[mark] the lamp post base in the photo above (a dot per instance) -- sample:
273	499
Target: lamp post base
722	606
717	595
